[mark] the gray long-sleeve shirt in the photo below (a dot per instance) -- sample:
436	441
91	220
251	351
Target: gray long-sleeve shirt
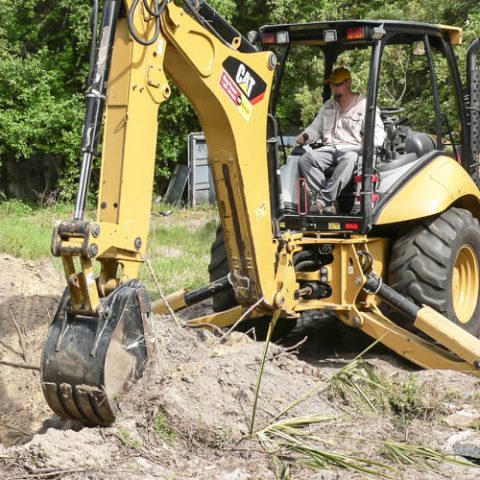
343	129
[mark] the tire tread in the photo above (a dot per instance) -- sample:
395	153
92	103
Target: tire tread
421	261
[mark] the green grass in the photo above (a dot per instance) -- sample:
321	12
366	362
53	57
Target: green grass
26	230
294	441
179	250
422	457
305	440
163	429
178	247
128	438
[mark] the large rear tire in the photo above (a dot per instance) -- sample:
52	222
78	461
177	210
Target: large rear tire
437	264
222	301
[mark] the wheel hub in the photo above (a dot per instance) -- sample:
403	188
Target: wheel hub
465	283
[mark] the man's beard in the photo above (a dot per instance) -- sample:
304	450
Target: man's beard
337	96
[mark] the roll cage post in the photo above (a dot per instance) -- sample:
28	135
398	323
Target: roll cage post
436	101
280	70
278	78
465	151
368	147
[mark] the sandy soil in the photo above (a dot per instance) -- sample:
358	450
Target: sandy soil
190	416
29	294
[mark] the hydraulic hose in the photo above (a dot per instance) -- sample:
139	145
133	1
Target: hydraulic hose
155	12
375	285
208	291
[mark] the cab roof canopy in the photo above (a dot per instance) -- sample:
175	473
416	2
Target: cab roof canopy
404	32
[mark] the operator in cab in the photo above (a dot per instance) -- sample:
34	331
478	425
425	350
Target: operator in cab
339	127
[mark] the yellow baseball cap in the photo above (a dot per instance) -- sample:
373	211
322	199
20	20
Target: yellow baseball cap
339	75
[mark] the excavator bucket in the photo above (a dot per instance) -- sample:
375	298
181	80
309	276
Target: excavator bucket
88	360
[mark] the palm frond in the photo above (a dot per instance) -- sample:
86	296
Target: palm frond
419	456
293	438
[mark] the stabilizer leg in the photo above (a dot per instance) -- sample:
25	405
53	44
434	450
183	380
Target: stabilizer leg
463	348
183	298
410	346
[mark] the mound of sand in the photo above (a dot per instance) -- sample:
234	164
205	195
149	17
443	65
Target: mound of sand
190	416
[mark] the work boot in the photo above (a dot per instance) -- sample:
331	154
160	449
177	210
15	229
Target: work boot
319	207
329	210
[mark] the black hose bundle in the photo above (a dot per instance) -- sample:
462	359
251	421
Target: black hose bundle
155	12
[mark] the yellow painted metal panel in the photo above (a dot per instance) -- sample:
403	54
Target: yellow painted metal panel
235	124
411	346
448	334
137	84
429	192
455	33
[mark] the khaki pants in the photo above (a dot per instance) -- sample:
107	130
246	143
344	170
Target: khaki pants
314	165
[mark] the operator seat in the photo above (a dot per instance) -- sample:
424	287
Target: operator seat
419	143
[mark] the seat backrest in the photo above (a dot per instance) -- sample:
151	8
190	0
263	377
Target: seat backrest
419	143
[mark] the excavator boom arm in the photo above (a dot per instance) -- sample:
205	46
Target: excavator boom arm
228	82
105	320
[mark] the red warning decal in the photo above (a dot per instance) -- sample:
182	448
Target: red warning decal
231	88
244	87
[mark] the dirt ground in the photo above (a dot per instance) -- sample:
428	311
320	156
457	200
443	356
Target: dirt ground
190	416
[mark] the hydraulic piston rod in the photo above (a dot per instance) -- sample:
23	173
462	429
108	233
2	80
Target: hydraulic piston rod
182	299
95	102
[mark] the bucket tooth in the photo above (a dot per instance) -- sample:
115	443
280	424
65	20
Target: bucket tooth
83	401
50	391
69	403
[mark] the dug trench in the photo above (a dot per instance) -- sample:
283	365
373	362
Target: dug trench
192	414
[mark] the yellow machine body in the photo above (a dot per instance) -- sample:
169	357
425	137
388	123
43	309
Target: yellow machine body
193	59
230	91
434	189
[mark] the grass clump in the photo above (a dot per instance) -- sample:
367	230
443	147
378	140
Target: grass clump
294	440
163	429
358	384
406	401
15	208
127	438
361	386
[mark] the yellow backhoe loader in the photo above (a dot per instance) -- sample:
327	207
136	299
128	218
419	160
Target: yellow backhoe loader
400	261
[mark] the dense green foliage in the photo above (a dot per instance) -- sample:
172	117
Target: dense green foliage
44	51
43	64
